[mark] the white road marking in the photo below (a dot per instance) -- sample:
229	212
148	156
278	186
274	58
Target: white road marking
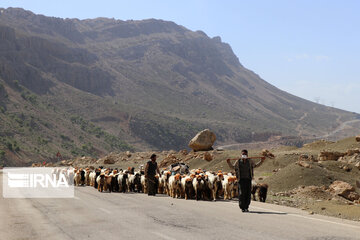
311	218
163	236
105	210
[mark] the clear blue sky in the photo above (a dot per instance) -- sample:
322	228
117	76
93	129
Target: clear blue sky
310	48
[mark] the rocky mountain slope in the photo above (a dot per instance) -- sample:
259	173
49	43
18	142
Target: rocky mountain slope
99	85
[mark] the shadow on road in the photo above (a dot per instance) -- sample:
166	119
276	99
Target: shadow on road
276	213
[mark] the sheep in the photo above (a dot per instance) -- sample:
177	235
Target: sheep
92	177
134	182
77	178
228	186
114	182
235	190
187	186
108	181
164	180
175	186
199	187
101	182
144	184
97	173
214	184
161	187
87	177
122	180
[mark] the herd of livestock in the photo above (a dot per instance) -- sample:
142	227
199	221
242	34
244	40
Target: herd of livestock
196	184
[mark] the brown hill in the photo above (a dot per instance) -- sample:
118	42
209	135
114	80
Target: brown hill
89	86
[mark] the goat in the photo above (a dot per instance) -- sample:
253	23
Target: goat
261	190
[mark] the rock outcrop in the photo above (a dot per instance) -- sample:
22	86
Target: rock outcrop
344	189
328	156
208	157
267	153
203	141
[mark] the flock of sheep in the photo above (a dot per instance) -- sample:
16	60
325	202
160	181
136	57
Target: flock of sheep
197	184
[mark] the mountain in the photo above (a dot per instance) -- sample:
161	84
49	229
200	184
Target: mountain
98	85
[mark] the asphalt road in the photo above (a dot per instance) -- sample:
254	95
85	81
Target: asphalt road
93	215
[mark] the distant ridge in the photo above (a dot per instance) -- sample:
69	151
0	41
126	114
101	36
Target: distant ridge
98	85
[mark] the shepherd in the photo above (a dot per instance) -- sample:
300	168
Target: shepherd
150	172
244	168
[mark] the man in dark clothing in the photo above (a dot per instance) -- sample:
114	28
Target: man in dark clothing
150	172
244	168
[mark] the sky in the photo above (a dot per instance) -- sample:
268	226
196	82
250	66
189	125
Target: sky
309	48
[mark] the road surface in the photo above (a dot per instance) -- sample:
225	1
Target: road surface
93	215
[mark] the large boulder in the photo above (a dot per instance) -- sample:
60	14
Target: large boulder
203	141
344	189
357	138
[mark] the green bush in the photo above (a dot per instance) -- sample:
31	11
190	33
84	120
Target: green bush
29	97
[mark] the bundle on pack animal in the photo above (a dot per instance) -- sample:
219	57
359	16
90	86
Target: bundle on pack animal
261	190
175	186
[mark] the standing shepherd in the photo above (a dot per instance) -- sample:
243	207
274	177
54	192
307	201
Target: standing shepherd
150	172
244	168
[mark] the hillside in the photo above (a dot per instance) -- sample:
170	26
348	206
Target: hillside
99	85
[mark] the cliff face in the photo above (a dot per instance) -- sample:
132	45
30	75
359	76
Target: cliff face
151	83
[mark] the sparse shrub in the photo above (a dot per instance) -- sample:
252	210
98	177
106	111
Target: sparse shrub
65	138
9	146
29	96
17	85
2	109
42	141
2	154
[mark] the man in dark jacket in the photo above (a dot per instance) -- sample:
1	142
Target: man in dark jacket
150	172
244	168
